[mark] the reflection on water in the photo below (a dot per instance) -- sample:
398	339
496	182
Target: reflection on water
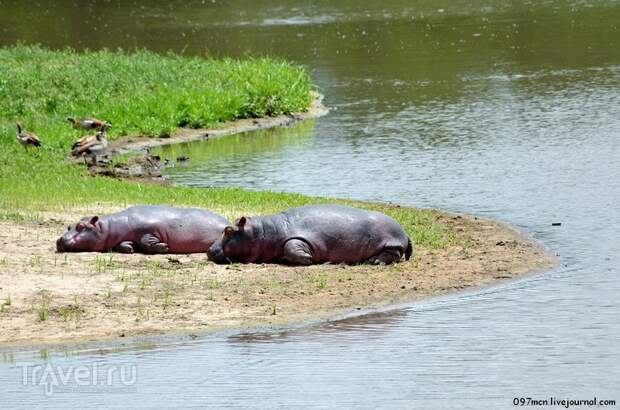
237	154
509	110
379	321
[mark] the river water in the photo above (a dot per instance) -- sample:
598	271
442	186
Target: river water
508	110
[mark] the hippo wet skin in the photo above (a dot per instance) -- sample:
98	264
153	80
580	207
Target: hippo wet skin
145	229
314	234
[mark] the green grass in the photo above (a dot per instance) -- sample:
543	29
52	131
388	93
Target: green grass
149	94
42	313
141	92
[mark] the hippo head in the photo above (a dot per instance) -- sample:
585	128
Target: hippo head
85	236
236	244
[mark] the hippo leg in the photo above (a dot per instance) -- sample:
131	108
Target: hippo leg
386	256
124	247
297	252
151	244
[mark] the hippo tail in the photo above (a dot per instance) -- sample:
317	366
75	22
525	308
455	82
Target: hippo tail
409	250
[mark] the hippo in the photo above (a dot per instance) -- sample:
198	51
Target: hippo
314	234
145	229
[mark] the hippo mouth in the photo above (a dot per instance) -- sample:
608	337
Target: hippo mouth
59	245
217	256
64	245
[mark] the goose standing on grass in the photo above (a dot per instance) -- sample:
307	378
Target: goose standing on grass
89	124
91	146
27	139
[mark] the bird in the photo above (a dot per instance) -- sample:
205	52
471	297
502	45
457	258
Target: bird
88	139
89	124
27	139
91	146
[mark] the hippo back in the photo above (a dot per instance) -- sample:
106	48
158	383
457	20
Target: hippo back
185	230
344	234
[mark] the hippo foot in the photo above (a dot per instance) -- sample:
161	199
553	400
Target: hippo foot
387	257
160	248
124	247
151	244
297	252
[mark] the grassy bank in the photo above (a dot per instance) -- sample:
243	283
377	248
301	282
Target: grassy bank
141	93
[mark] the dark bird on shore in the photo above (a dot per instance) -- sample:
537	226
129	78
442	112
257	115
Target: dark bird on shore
27	139
182	158
91	146
152	161
89	124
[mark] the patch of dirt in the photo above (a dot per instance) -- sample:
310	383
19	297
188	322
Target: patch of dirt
47	297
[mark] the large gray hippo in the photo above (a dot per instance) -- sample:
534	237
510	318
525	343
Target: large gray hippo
146	229
314	234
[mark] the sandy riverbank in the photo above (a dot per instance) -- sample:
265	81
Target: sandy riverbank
48	297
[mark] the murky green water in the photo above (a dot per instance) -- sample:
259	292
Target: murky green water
506	109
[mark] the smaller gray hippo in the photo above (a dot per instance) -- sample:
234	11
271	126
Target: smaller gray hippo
314	234
146	229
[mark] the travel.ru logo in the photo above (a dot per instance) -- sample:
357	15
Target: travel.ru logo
92	377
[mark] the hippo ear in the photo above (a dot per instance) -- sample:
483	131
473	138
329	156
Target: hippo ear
94	220
242	222
229	230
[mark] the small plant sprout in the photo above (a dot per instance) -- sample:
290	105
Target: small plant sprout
42	313
36	261
65	312
320	280
211	283
167	297
139	312
42	310
103	263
